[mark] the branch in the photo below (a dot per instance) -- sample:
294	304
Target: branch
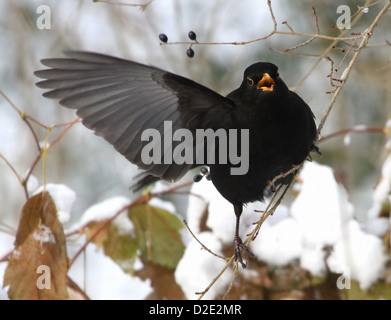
356	129
366	36
291	32
309	40
142	6
202	245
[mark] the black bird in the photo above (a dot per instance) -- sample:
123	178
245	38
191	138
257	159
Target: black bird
119	99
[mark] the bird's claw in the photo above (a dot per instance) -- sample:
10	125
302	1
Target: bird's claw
238	246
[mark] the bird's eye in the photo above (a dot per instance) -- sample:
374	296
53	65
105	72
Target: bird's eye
277	75
250	82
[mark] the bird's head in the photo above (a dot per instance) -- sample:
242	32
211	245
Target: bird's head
262	78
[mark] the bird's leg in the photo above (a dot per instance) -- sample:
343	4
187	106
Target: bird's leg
238	244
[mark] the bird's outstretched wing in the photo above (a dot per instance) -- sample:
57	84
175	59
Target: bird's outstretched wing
119	99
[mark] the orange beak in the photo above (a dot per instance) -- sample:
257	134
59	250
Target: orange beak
266	83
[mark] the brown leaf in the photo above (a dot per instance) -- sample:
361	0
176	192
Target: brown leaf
38	265
162	281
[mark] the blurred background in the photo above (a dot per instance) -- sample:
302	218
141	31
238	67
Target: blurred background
95	171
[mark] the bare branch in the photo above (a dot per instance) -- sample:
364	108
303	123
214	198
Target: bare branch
366	36
142	6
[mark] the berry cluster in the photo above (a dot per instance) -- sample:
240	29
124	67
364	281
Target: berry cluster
204	172
192	36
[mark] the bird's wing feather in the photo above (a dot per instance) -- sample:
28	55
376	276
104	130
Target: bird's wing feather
119	99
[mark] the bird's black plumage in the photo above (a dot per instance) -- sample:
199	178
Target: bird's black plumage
119	99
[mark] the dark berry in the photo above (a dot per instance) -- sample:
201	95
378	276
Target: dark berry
163	37
190	53
204	170
192	35
198	177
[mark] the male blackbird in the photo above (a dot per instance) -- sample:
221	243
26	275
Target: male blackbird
120	99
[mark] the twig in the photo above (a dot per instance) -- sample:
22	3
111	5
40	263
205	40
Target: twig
202	293
12	168
68	126
309	40
41	151
347	71
356	129
202	245
231	284
142	6
324	54
331	77
274	31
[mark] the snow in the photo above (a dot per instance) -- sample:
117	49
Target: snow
63	197
221	216
326	218
358	255
320	216
312	259
103	279
197	268
321	208
279	244
44	234
106	209
344	74
347	139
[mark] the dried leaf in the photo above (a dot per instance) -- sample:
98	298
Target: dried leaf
38	266
162	281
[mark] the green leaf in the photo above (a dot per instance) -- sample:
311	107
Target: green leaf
122	248
157	233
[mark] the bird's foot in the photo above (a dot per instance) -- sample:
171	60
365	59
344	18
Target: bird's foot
238	246
316	149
